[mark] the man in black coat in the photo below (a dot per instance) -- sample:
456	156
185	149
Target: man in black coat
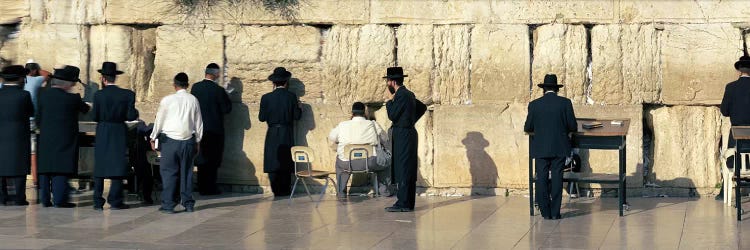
214	103
57	119
404	110
279	109
736	103
551	119
15	133
113	106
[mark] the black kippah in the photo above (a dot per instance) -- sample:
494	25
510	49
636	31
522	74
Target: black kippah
358	107
181	77
212	66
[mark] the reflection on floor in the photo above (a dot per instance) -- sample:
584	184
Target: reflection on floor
238	221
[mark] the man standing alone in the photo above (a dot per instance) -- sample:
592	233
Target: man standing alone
551	119
214	103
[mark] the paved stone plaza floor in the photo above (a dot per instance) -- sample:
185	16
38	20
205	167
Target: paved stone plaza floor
239	221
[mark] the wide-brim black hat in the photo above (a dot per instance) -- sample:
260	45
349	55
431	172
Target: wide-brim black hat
67	73
109	69
550	80
280	74
394	73
744	61
13	72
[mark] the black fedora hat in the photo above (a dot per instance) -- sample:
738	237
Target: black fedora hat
109	69
13	72
550	80
394	73
67	73
743	62
280	74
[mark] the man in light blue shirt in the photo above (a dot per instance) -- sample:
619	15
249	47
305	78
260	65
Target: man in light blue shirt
34	80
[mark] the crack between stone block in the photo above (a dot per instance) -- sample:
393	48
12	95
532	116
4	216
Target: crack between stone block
589	80
532	29
468	77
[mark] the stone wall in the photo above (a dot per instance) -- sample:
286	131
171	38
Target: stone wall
661	64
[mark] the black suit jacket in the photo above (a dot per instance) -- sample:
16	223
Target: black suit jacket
57	119
550	118
15	146
214	103
736	102
279	109
113	106
405	110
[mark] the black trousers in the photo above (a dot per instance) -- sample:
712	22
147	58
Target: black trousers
115	196
211	156
57	184
145	180
405	164
19	183
281	183
177	170
549	191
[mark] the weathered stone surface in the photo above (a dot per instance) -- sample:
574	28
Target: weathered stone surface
547	11
11	11
426	172
133	51
68	12
415	54
243	147
53	45
625	64
237	12
607	161
697	61
253	52
686	143
500	63
429	11
183	49
700	11
452	63
561	49
354	62
469	153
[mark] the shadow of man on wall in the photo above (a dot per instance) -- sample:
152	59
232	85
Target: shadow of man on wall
481	166
236	124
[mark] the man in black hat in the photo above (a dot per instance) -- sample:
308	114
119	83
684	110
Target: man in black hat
214	103
15	133
279	109
736	103
113	106
57	119
404	110
179	130
551	119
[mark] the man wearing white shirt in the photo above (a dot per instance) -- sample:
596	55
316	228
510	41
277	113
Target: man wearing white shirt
178	128
358	130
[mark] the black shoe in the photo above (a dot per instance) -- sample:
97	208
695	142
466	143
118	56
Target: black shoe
65	205
47	204
166	211
147	202
557	217
21	203
98	208
120	207
395	209
189	209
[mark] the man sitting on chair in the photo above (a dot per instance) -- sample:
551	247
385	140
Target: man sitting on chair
358	130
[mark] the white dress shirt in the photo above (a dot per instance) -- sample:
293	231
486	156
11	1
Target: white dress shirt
179	117
358	130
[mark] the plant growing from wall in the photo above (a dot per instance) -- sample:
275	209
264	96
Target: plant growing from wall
287	9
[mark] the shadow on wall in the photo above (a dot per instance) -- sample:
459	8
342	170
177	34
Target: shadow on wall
89	90
306	123
481	166
237	123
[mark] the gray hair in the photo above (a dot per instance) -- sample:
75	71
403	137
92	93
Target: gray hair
744	70
213	71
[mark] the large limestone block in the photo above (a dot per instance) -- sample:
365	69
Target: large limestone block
607	161
424	127
452	55
500	63
11	11
133	51
429	11
699	11
183	49
253	52
416	56
354	61
625	64
237	12
561	49
68	12
698	61
481	146
313	128
54	45
547	11
685	147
